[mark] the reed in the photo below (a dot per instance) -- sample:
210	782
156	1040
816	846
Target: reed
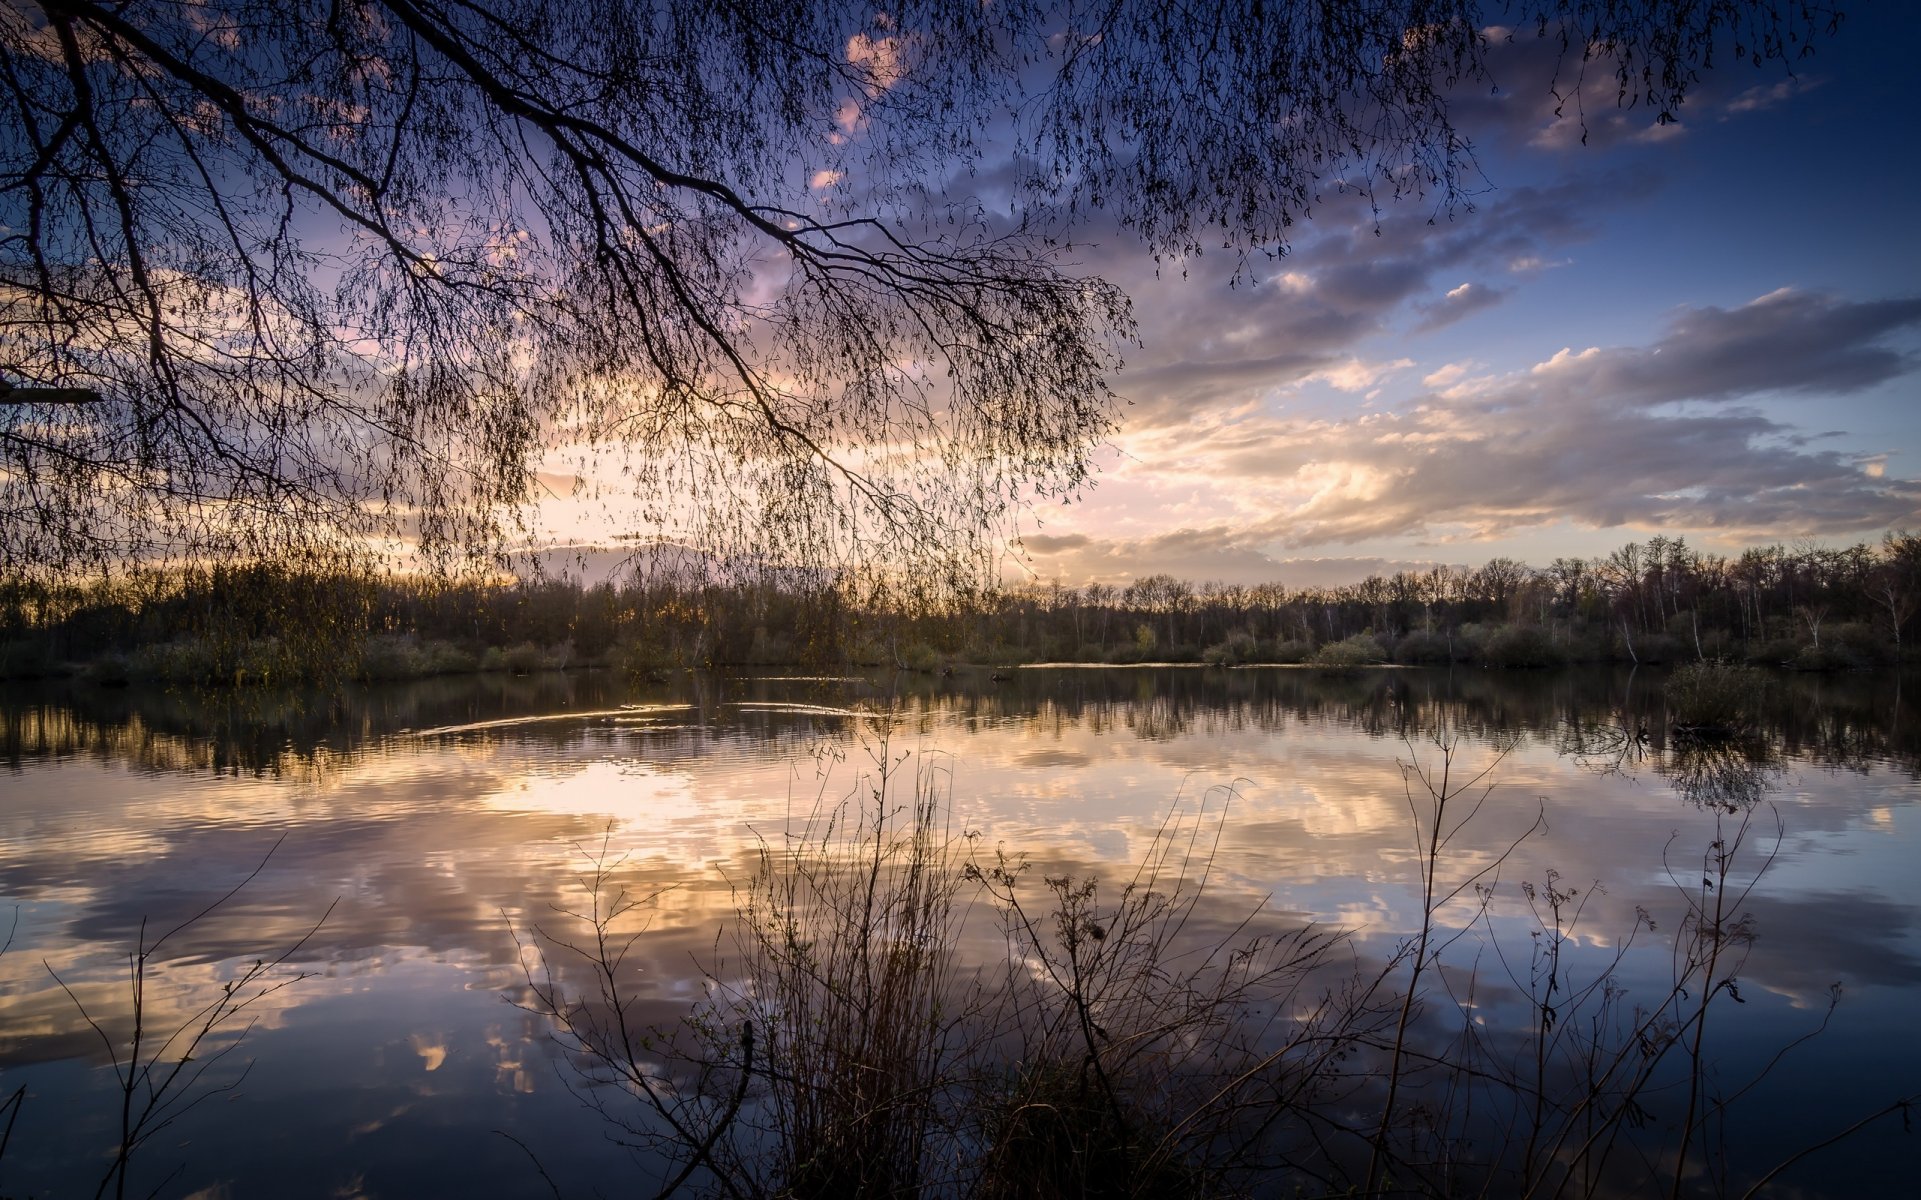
1123	1039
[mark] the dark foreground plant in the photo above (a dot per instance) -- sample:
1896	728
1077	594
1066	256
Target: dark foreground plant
906	1015
161	1074
1592	1095
853	1047
1141	1048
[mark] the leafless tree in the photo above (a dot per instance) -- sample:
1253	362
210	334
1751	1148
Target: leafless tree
292	277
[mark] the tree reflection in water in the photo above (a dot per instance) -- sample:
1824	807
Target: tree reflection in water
118	796
1729	774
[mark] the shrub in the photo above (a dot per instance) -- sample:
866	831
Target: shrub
919	656
1239	647
111	669
1717	645
1290	651
1145	639
445	658
1715	698
1361	650
1775	652
262	661
404	656
184	661
1660	648
391	656
1860	641
1520	646
643	653
26	659
204	662
527	657
1829	656
1590	646
1423	646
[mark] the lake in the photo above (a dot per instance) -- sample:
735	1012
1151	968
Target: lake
435	825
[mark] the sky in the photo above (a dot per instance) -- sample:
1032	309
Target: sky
1709	329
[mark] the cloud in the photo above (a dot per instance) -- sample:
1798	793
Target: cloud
1044	543
1358	375
1447	374
1669	434
881	62
1542	101
1786	341
1463	301
1764	96
1653	434
1220	553
1221	337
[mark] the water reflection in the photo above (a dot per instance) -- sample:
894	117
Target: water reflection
1730	774
124	806
1842	721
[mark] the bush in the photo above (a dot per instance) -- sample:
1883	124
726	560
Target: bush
404	656
1715	698
1423	646
1775	652
1290	651
1860	641
921	657
527	657
26	659
445	658
111	669
1469	640
1361	650
391	656
1830	656
1520	646
1717	645
184	661
204	662
643	653
1589	646
1239	647
1660	648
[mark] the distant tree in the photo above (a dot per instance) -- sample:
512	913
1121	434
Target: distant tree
1498	583
283	276
1894	582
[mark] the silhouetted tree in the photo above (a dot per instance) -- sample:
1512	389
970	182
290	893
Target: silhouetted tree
312	273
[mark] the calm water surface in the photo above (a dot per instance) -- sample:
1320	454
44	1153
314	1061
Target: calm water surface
438	818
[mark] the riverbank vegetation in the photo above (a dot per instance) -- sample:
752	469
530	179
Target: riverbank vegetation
1806	607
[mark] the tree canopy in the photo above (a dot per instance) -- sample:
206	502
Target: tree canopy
284	278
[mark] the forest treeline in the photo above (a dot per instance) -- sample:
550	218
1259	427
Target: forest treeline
1659	601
